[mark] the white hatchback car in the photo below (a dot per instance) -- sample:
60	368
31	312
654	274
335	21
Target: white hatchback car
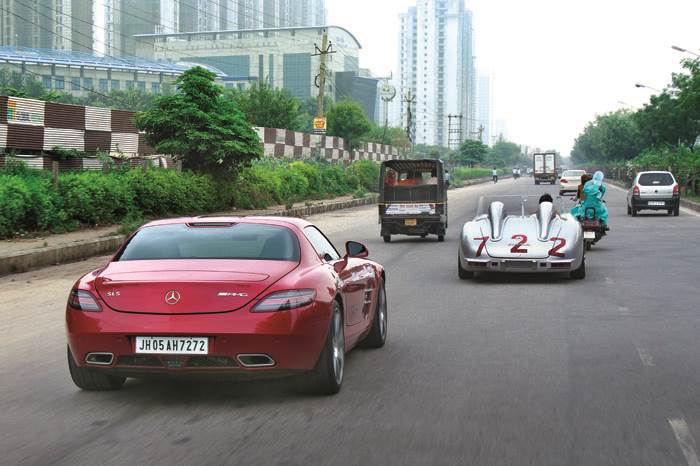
654	190
570	180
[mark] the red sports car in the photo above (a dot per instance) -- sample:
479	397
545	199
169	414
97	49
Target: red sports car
225	295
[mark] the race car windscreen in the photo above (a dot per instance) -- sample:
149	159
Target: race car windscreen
517	205
237	241
655	179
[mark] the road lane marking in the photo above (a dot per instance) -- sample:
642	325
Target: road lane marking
623	310
685	440
646	358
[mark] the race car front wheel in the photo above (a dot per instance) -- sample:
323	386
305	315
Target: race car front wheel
579	273
463	274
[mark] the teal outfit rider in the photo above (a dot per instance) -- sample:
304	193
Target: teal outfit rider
593	191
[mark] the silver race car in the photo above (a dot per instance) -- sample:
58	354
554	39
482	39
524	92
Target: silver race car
521	234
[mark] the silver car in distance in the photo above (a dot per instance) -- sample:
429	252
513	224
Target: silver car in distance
520	234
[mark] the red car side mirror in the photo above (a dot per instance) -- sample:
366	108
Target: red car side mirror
355	249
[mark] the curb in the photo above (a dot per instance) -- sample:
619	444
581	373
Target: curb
54	255
79	250
684	202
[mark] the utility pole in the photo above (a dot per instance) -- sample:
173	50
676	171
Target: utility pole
454	135
409	99
319	122
326	48
479	132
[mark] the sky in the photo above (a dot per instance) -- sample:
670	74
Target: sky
555	64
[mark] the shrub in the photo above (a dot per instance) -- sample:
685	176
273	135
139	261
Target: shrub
30	202
365	174
94	198
461	174
159	192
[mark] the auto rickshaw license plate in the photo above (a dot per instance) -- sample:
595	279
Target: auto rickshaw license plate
410	222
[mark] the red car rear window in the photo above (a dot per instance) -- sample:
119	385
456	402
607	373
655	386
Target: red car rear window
238	241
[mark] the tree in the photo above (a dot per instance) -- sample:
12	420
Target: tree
268	107
505	153
391	135
135	100
200	126
347	120
18	84
613	136
308	109
471	152
431	152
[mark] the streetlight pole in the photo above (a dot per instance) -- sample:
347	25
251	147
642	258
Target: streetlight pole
682	50
638	85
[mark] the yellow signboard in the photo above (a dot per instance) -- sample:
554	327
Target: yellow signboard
320	125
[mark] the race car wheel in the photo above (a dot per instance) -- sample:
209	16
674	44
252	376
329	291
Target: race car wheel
441	238
377	334
91	379
589	245
579	273
387	238
676	211
463	274
634	212
327	376
629	210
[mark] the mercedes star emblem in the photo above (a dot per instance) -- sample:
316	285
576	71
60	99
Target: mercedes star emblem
172	297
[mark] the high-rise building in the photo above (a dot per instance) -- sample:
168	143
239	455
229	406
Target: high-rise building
280	57
48	24
484	109
436	65
126	18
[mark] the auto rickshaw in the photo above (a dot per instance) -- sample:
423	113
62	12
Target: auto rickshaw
413	198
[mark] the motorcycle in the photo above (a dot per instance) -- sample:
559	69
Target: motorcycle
593	228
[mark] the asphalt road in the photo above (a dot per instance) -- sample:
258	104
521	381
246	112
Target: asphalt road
510	370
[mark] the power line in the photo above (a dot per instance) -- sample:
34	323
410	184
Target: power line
78	32
55	20
214	59
37	74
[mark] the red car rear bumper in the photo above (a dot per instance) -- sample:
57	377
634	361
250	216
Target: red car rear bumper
293	339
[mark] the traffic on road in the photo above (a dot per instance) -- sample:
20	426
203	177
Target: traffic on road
500	369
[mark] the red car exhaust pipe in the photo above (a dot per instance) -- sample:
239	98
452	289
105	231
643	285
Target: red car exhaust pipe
255	360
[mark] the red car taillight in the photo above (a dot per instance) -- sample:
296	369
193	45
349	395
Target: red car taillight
563	180
676	190
635	190
285	300
83	301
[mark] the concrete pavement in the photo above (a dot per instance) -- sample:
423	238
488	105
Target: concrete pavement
510	370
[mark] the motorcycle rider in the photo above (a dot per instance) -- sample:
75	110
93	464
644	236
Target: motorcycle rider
515	173
592	197
585	178
494	174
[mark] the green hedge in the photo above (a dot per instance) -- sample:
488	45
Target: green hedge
461	174
28	201
273	181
